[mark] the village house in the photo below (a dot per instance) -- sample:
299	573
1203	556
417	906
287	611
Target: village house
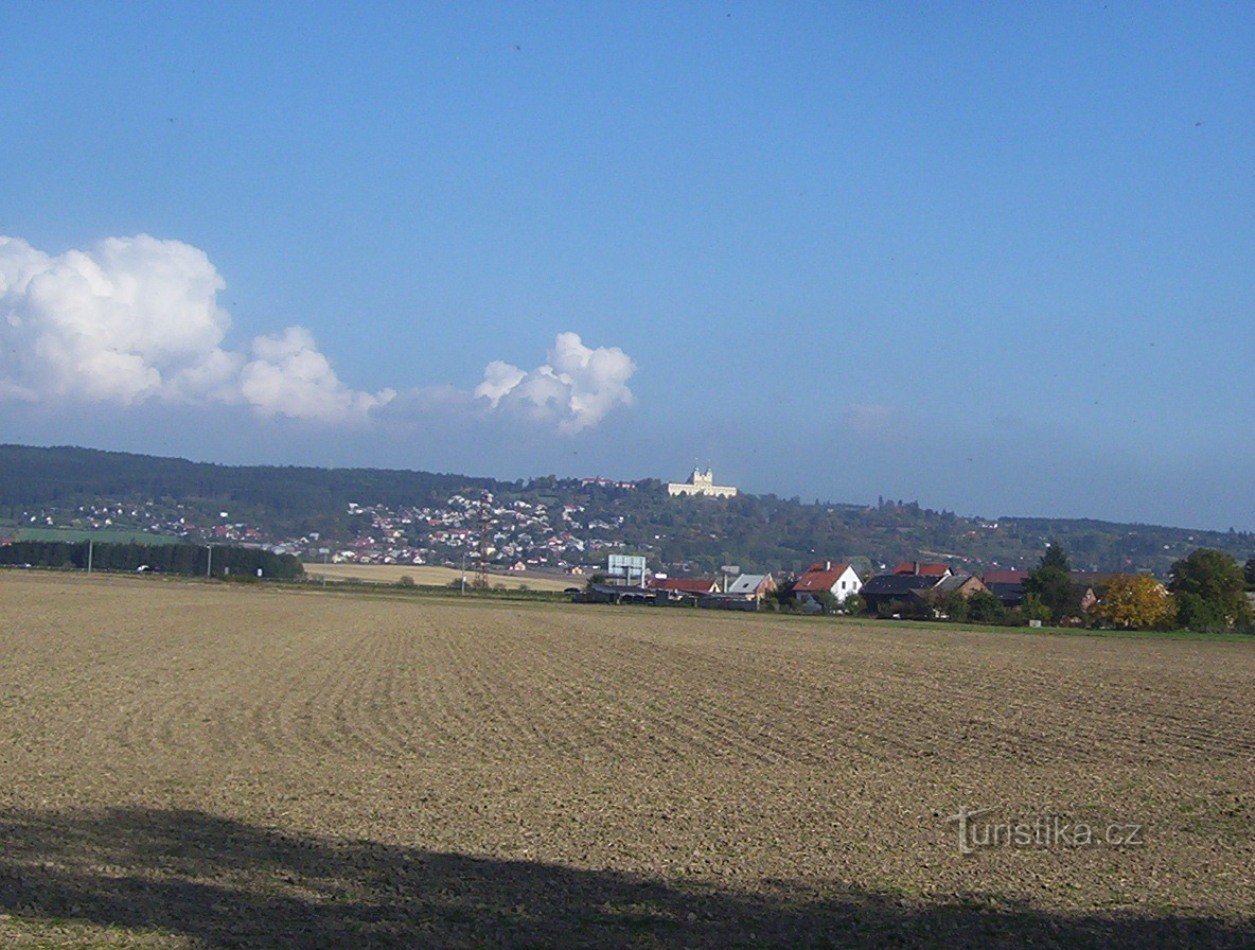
752	587
924	569
835	578
885	590
965	585
1007	586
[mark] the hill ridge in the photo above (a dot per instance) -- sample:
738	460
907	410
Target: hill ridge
307	508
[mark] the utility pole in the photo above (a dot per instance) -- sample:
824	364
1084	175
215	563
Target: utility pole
89	555
209	563
464	572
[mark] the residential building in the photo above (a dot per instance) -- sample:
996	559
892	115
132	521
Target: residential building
885	590
1007	586
752	586
833	577
923	568
965	585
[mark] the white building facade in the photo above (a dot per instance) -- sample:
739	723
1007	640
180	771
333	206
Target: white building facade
700	483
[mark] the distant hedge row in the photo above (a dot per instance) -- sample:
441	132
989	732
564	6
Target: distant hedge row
186	559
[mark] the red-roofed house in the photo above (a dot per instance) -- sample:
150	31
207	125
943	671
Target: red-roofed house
1004	577
1007	586
683	585
836	578
923	569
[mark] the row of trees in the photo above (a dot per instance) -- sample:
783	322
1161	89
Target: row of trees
185	559
1206	592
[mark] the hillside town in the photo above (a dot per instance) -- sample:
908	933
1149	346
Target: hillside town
518	535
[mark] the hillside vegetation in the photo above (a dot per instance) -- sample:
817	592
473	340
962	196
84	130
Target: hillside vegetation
757	532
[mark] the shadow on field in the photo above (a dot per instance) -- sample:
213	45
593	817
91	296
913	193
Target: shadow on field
223	882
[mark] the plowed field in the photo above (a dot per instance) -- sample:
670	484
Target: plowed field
204	764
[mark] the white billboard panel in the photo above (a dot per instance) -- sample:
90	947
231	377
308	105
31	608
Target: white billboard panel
628	566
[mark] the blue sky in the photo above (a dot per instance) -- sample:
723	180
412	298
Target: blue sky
997	258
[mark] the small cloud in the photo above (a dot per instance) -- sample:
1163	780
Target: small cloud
575	389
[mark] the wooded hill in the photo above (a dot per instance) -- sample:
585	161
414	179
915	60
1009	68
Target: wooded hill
757	532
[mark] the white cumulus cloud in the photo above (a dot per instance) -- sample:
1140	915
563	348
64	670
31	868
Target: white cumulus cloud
116	323
289	375
575	389
134	319
137	319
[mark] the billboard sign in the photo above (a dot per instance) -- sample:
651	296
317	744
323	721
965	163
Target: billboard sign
627	566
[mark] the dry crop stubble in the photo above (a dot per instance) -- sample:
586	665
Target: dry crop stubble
740	769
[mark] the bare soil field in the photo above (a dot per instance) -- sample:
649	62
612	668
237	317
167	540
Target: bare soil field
201	764
427	574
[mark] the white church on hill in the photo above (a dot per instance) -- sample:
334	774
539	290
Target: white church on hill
701	483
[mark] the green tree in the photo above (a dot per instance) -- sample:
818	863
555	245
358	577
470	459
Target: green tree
1249	573
1210	590
1034	609
1051	583
854	604
1055	557
984	607
954	605
827	600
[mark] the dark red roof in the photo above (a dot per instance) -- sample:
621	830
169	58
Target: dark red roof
821	575
688	585
1004	577
922	568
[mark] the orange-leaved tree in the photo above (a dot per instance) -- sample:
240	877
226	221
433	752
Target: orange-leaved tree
1136	602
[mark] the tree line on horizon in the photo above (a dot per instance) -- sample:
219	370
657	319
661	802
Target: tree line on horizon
188	560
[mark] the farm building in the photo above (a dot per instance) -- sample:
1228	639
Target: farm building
614	594
683	585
